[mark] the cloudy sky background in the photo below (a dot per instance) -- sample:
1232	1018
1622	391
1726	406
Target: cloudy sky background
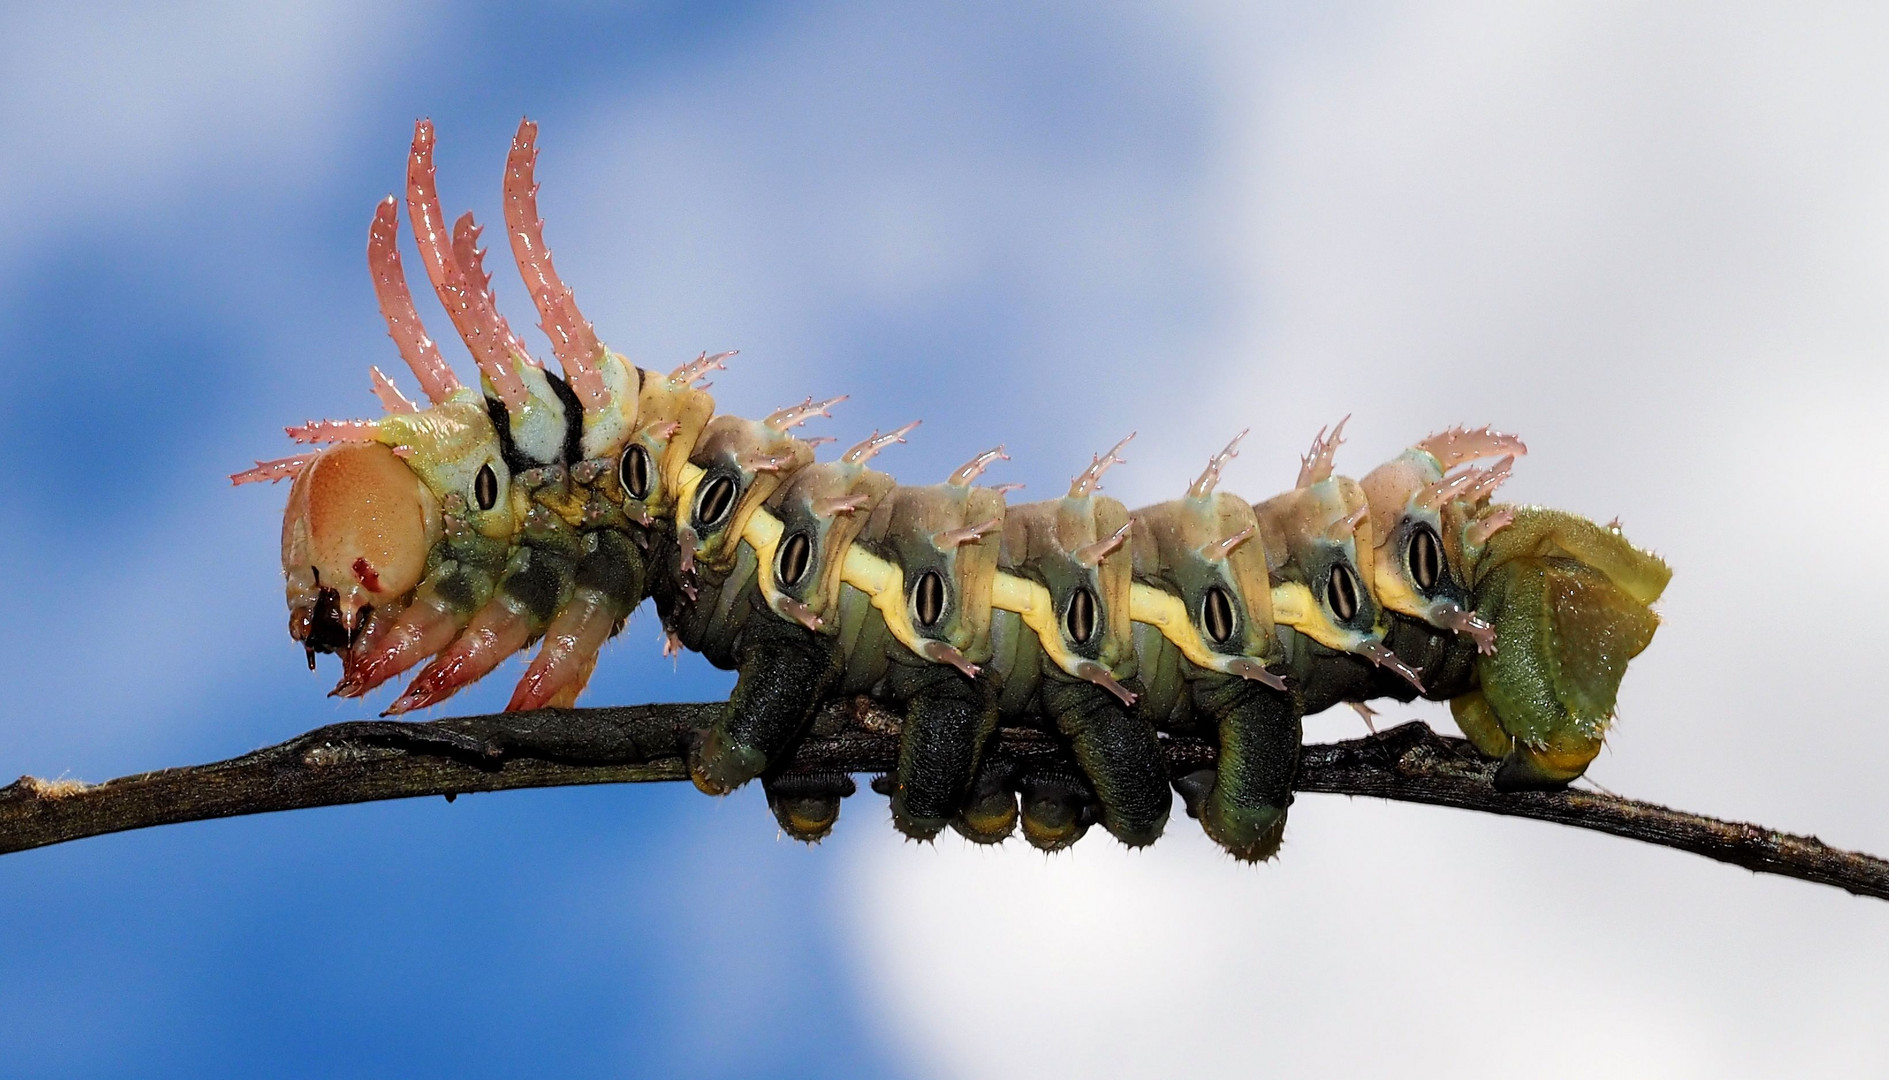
1653	240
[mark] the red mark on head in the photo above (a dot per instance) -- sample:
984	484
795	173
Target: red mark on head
365	574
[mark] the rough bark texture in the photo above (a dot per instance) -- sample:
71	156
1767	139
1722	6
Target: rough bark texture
381	759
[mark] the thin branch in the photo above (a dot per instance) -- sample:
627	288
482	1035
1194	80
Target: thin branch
368	760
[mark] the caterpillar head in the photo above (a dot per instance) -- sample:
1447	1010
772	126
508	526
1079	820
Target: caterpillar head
355	536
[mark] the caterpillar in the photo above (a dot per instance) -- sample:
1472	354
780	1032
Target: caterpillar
544	508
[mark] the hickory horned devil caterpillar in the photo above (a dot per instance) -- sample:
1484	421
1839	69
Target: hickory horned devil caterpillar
536	507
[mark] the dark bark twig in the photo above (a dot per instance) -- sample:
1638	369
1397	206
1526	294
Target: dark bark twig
364	761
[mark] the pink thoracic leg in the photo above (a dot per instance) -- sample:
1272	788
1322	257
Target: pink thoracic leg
496	632
563	665
424	628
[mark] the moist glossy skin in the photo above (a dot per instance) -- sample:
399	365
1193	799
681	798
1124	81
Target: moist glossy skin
535	507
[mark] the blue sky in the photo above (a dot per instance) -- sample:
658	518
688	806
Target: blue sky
1653	241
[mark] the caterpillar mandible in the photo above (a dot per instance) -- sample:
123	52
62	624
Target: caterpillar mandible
540	508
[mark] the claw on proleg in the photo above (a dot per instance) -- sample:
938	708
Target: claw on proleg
437	380
496	632
573	340
569	652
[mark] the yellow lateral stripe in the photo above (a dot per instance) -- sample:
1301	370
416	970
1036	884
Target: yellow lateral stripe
1294	605
1166	613
763	533
1031	602
884	584
685	495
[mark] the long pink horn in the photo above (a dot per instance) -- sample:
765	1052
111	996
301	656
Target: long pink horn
476	322
573	339
471	259
437	380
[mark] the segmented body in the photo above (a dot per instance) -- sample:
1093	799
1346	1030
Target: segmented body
546	508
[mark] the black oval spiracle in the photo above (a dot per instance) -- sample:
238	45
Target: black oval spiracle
796	555
1426	558
928	598
485	487
1341	592
1216	614
1079	620
634	470
714	503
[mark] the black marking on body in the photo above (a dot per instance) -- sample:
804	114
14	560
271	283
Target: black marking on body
796	555
1079	620
515	460
573	418
928	598
485	487
714	502
1216	614
1426	558
1341	592
634	470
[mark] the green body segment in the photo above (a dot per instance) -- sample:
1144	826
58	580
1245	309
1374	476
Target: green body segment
531	508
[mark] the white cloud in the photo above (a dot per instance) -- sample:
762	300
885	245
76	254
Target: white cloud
1653	241
108	110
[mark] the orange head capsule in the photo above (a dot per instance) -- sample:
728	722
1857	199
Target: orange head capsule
355	535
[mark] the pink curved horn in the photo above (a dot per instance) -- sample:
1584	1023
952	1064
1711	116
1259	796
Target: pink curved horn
437	380
573	339
476	322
